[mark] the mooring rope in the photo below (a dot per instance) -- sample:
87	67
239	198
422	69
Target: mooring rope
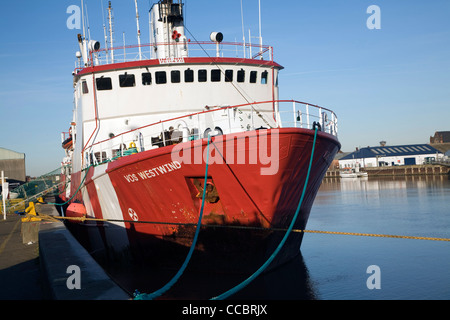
247	281
157	293
83	219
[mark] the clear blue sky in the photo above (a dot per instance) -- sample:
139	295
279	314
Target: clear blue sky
389	84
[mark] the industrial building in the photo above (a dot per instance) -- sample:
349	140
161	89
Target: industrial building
390	156
13	165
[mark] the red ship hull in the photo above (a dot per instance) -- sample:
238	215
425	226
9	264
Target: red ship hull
160	196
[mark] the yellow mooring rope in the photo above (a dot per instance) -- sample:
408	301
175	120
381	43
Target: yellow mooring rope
83	219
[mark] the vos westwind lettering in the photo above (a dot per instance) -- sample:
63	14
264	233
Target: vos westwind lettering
153	172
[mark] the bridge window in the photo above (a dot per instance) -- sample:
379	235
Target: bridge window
160	77
104	83
228	75
146	78
188	75
85	87
215	75
127	80
264	77
175	76
253	76
241	75
202	75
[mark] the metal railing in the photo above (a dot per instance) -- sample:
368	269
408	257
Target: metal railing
129	53
213	121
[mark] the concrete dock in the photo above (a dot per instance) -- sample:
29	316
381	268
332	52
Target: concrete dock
43	261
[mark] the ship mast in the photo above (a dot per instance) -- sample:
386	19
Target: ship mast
138	30
111	32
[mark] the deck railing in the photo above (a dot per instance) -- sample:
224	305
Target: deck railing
129	53
213	121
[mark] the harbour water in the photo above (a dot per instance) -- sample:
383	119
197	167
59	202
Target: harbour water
335	266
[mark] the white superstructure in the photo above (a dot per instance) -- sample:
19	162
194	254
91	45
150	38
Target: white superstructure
123	97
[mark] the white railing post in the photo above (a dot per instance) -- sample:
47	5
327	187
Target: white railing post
162	133
320	118
294	115
307	116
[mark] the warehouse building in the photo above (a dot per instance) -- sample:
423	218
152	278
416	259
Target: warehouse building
13	165
390	156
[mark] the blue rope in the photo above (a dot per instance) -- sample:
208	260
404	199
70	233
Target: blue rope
156	294
275	253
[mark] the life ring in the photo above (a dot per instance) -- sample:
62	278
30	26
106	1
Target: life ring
132	145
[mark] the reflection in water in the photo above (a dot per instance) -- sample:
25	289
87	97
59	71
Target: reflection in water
290	281
334	266
410	268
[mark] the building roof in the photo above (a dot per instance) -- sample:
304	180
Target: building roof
6	154
392	151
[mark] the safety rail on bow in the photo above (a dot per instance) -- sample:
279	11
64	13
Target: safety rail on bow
213	121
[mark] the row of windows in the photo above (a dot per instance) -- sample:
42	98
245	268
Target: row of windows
188	76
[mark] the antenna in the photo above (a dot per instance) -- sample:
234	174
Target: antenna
111	31
87	22
243	32
105	34
82	19
260	31
138	30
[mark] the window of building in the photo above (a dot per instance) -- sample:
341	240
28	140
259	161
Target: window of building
104	83
146	78
215	75
175	76
202	75
241	75
127	80
264	77
253	76
188	75
160	77
228	75
84	86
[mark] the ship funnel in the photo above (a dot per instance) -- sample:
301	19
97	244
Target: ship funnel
168	29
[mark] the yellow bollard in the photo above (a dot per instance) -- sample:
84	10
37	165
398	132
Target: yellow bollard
31	213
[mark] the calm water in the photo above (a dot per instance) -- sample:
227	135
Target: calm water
335	266
409	269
